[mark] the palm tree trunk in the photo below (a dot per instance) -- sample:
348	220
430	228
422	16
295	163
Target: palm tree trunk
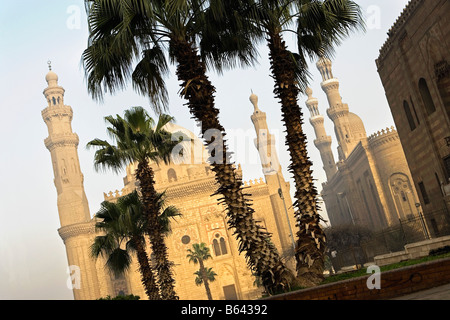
145	176
205	279
147	277
311	237
261	254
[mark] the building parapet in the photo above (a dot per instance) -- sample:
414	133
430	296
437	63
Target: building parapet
199	187
254	183
407	12
382	137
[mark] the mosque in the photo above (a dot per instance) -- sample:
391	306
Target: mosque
370	184
188	185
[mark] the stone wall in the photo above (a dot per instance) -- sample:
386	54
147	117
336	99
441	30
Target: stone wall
395	283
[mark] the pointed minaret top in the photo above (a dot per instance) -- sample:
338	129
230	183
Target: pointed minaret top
309	93
254	101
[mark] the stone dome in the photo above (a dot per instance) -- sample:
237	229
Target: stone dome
194	151
51	76
357	126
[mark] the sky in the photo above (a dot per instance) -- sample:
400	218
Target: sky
33	263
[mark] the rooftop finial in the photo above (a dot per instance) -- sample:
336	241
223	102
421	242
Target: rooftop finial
49	65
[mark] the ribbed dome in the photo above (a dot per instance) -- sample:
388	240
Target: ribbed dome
357	126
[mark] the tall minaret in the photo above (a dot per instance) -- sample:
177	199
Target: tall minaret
279	189
265	142
77	228
63	143
323	142
338	111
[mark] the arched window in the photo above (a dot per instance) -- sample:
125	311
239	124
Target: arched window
426	96
216	248
219	245
54	101
172	175
409	117
223	246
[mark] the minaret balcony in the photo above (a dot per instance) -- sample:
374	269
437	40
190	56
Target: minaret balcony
62	140
58	111
330	85
339	111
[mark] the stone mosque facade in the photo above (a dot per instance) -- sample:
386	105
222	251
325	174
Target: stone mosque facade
189	183
370	184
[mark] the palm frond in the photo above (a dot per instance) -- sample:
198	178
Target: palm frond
119	261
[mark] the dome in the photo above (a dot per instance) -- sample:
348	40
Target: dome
357	126
194	151
51	76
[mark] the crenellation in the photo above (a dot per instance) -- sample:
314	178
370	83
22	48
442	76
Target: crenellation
399	23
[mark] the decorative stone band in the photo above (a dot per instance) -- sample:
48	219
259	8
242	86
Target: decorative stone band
76	230
338	111
62	140
323	141
57	111
54	90
329	85
317	120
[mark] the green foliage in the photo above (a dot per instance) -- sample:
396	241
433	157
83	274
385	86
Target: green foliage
363	272
210	276
199	252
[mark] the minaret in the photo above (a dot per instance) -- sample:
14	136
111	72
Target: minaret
279	189
63	144
322	142
77	228
265	142
338	111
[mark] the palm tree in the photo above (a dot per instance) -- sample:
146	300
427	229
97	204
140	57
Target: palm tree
319	26
122	225
139	140
126	42
199	254
210	276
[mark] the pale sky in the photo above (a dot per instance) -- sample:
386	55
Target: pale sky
33	263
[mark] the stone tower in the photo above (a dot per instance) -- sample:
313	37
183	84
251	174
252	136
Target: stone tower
279	189
323	141
73	208
344	121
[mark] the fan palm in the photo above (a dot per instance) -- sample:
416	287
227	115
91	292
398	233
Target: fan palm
198	255
122	225
210	276
139	140
318	26
122	222
127	41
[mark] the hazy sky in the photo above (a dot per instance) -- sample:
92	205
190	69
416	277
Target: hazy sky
33	262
